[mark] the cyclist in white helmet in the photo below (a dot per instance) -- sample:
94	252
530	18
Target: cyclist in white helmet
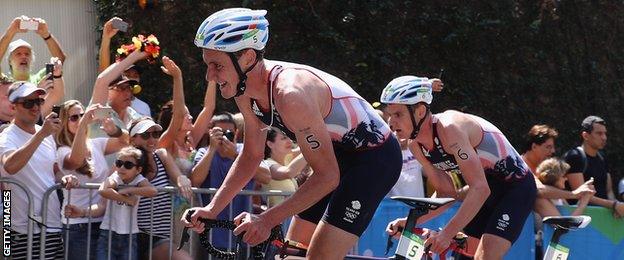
355	158
500	189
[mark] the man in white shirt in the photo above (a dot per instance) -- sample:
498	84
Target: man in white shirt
27	154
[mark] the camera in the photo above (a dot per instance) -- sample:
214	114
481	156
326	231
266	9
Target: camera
229	135
49	69
56	109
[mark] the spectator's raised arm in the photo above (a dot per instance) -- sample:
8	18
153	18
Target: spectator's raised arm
100	89
168	138
53	45
54	87
203	120
7	36
107	34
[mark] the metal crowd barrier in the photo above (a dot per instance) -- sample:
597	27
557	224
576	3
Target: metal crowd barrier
169	189
31	210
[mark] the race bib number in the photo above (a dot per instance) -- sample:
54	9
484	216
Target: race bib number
411	246
556	252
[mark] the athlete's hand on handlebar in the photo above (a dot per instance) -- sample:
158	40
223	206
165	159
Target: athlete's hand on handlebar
438	241
195	224
256	228
395	227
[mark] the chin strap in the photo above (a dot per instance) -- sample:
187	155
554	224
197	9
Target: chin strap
242	76
416	127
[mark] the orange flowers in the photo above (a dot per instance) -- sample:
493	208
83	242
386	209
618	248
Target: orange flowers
147	44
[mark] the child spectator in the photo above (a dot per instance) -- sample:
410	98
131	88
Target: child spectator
124	204
552	172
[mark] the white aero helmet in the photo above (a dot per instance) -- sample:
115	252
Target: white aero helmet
407	90
234	29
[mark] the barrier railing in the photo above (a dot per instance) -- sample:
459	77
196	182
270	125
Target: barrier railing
172	191
31	211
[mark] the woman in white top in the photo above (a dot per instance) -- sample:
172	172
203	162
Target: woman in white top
278	147
84	158
552	172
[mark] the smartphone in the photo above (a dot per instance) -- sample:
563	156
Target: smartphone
103	112
229	135
120	25
56	109
29	25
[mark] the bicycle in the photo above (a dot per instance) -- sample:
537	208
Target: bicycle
410	243
562	224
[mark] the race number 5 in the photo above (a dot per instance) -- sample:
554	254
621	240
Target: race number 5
416	249
411	246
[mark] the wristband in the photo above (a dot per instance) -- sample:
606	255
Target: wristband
57	77
47	38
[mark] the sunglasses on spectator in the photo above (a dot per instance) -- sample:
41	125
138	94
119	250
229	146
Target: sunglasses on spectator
126	164
30	103
75	117
153	134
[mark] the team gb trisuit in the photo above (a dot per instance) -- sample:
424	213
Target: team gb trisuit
511	182
368	154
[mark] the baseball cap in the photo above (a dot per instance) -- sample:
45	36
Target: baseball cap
18	43
135	67
588	123
143	126
22	89
122	80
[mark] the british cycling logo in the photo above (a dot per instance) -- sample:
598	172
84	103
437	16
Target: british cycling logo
503	222
351	213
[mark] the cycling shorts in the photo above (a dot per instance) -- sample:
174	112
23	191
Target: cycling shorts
366	176
504	212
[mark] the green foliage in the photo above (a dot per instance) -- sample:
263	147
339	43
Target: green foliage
516	63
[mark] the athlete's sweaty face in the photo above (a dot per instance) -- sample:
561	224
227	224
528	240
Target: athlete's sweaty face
399	120
222	71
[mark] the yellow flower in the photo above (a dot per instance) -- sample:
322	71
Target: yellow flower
153	39
137	42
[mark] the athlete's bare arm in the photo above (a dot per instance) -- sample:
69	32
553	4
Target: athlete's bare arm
245	165
300	99
455	131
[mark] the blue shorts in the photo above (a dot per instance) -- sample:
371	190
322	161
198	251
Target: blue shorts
504	212
366	177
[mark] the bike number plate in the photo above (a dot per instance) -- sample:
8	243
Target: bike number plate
556	252
411	246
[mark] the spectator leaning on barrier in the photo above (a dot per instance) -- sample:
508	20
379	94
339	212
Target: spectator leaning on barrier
20	54
129	170
160	171
27	154
551	172
586	162
84	158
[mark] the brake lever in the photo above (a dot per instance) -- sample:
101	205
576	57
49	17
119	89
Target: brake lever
390	243
185	234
